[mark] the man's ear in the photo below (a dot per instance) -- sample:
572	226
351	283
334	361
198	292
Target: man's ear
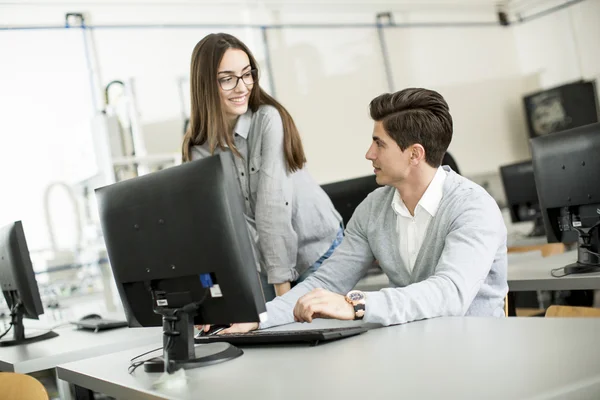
417	154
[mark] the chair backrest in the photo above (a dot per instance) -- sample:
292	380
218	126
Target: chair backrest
568	311
21	387
347	195
449	161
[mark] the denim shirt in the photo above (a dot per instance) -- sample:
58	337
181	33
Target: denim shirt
292	218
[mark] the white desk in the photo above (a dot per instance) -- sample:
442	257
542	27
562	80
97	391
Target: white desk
534	274
463	358
524	241
526	272
72	345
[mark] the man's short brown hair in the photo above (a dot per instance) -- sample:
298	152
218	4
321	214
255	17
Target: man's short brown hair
413	116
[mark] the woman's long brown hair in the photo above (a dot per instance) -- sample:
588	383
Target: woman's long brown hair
207	119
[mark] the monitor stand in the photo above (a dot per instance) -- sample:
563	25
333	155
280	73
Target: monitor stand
179	349
19	331
538	227
586	263
588	259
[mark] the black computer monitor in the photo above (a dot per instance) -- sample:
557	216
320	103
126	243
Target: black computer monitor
19	286
181	254
347	195
561	108
521	195
567	174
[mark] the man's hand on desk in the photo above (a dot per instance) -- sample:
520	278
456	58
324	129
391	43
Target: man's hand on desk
282	288
320	303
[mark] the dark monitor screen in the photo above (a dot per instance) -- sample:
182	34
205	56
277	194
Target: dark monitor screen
567	175
521	194
347	195
178	238
18	283
561	108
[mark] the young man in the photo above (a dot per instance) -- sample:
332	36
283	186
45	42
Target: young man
439	237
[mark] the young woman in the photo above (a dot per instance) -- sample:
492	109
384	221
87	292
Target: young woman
293	221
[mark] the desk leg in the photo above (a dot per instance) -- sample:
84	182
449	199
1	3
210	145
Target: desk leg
64	389
82	393
512	311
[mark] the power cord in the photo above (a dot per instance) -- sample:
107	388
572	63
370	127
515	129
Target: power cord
580	270
133	365
13	313
7	330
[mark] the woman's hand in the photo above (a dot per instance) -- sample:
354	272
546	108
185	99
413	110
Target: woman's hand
241	328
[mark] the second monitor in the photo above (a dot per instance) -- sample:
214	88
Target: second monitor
567	175
19	286
521	195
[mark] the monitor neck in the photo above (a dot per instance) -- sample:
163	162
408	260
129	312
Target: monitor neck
178	343
178	330
17	312
16	320
538	227
588	251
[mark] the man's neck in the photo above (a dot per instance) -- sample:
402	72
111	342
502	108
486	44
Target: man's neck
413	188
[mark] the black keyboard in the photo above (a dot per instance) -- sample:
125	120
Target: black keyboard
312	336
99	324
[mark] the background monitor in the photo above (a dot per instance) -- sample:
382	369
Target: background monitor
181	253
567	175
561	108
347	195
521	195
19	287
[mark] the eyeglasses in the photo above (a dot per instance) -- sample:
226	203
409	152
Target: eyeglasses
230	82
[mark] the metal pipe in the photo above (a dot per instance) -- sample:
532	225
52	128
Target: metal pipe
384	52
274	26
549	11
307	26
268	61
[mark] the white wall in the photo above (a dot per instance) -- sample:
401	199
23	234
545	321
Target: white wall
563	46
325	77
477	71
45	109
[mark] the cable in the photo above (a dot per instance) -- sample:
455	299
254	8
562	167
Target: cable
13	312
580	270
133	365
6	331
143	354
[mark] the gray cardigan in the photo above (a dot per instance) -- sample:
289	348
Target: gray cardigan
291	218
460	269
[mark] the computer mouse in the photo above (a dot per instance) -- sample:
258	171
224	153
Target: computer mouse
91	316
214	329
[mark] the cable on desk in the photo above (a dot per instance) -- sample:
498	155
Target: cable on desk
133	365
579	271
6	331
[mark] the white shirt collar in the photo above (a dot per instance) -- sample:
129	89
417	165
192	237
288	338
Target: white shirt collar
242	126
430	201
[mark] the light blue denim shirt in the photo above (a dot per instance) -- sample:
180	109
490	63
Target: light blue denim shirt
293	219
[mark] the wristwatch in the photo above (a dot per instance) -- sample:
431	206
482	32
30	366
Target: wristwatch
357	299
